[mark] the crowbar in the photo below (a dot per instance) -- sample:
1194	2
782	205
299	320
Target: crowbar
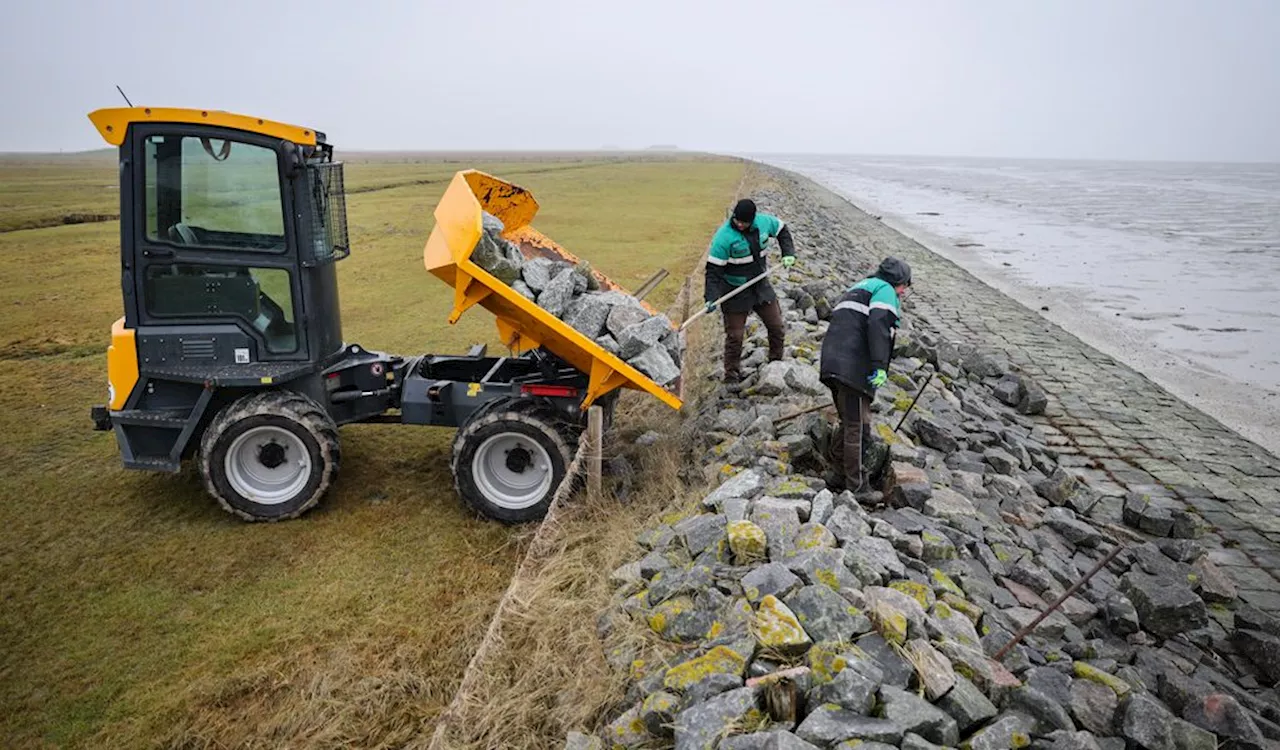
1058	603
906	413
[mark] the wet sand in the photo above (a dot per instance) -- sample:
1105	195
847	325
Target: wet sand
1192	303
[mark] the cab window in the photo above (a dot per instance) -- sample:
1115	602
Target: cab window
213	193
259	296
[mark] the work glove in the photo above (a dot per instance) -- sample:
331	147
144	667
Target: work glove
877	378
788	261
711	307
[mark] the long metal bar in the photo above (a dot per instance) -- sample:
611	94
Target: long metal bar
907	413
728	296
1052	607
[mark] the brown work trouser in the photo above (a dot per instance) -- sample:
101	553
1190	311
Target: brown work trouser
735	324
854	408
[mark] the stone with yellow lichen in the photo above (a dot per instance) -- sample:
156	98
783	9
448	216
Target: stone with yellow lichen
825	662
790	488
719	660
1013	730
826	565
681	620
944	623
887	434
1092	673
895	615
747	541
943	584
918	591
891	624
964	607
628	730
637	604
937	547
702	677
773	578
780	519
777	627
703	725
657	711
814	535
827	616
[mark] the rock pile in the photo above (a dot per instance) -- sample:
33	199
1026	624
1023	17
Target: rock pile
783	615
617	321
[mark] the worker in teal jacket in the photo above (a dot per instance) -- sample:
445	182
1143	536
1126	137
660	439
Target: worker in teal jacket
854	363
736	256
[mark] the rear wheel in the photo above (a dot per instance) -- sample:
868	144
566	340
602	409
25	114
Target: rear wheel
269	456
508	463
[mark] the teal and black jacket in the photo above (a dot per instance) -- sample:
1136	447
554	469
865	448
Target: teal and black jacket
860	339
737	257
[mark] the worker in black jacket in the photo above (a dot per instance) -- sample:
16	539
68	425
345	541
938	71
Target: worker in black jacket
855	361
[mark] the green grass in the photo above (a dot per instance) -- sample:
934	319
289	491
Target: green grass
136	613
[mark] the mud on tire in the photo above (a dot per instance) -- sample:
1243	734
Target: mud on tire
269	456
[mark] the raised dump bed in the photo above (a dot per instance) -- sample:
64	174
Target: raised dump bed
522	324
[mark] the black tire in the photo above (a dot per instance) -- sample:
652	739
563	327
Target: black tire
286	425
510	445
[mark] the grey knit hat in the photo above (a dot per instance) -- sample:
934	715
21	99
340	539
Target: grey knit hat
894	271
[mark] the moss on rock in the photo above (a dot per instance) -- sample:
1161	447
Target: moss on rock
1089	672
918	591
777	627
747	541
719	660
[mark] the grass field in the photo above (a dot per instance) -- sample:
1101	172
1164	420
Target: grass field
136	613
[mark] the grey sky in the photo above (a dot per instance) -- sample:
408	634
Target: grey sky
1140	79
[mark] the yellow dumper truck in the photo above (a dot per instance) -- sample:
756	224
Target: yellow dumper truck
230	350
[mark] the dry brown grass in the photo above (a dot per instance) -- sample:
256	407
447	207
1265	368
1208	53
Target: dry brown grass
137	614
545	673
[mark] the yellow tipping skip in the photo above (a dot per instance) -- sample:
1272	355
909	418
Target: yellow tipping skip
522	325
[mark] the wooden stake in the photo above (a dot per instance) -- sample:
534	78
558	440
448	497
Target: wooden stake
651	284
686	293
802	412
595	451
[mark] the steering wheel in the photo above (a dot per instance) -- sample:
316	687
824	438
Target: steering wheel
182	233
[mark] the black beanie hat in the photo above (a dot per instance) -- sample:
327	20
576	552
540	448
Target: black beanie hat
745	211
894	271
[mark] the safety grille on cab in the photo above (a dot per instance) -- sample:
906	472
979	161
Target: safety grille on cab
329	214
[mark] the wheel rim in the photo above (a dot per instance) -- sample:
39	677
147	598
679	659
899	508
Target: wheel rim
268	465
512	470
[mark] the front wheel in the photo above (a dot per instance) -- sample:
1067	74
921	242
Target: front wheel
269	456
508	464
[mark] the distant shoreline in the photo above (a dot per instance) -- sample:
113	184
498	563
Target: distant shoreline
1251	411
